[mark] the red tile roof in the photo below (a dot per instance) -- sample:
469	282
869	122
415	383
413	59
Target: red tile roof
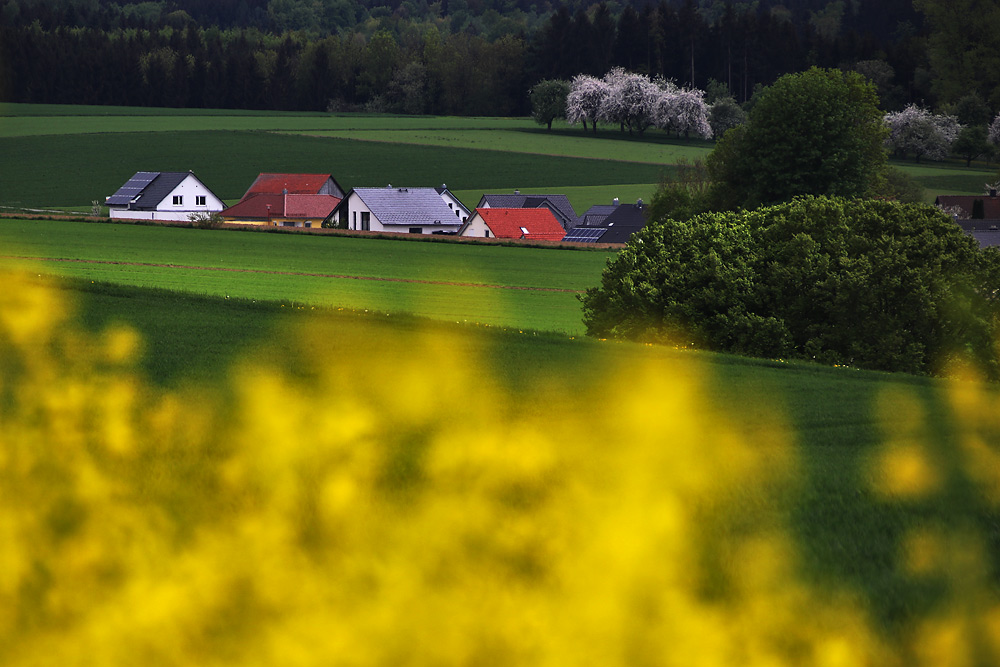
991	205
522	223
305	207
296	184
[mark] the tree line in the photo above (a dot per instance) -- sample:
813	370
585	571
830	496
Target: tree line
415	57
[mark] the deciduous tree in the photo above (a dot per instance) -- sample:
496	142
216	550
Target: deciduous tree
816	132
548	101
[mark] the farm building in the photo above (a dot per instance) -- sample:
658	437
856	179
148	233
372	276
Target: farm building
294	184
538	224
162	195
282	210
401	210
558	204
596	214
616	227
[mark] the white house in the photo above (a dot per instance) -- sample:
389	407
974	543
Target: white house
401	210
163	195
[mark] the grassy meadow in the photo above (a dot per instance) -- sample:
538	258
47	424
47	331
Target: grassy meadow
223	447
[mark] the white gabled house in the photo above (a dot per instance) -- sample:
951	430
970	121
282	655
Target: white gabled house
163	195
401	210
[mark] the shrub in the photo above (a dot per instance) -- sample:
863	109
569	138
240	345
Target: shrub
874	284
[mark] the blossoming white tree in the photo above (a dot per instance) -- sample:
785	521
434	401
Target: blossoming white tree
916	130
631	100
683	110
586	94
993	135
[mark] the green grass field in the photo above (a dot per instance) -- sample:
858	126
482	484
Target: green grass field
487	284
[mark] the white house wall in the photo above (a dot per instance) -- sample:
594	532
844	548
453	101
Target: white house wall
188	190
477	228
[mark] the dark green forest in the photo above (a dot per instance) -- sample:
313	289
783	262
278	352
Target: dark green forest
471	57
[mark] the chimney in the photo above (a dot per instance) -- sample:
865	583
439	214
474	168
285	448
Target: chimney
614	202
517	192
638	202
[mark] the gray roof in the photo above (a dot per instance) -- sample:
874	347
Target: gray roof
147	188
559	204
408	206
625	221
596	214
986	238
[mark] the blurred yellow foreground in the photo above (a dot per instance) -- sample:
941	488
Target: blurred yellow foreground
399	509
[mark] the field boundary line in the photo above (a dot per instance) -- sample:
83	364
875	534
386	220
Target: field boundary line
445	283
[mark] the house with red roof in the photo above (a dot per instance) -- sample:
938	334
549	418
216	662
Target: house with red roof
282	210
295	184
535	224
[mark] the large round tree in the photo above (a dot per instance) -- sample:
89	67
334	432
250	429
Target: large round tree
869	283
819	132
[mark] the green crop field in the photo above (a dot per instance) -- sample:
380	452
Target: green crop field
488	284
98	148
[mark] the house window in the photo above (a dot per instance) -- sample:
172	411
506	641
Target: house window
366	221
457	213
416	230
354	225
178	200
486	233
199	200
309	224
287	223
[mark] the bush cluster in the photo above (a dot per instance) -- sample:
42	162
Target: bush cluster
866	283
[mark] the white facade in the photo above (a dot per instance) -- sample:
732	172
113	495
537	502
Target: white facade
477	228
411	211
188	197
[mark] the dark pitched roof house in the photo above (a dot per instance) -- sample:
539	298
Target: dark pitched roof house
985	231
162	195
537	224
295	184
558	204
596	214
626	220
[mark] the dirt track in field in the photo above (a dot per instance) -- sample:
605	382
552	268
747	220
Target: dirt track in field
293	273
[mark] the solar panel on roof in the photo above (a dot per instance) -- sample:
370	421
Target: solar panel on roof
133	188
585	234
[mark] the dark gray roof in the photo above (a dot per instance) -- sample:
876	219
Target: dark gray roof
978	225
596	214
626	220
148	189
132	188
559	204
986	237
583	234
408	206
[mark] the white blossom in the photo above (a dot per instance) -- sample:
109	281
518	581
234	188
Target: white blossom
586	94
683	110
631	100
918	131
994	132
